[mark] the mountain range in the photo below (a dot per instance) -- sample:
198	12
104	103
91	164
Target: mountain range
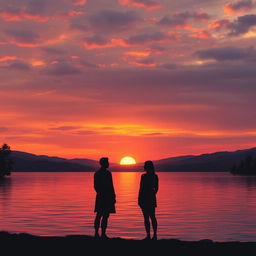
210	162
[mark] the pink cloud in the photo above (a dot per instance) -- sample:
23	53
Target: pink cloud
21	14
79	2
219	24
147	62
99	42
67	14
203	34
24	38
182	19
147	4
241	6
6	58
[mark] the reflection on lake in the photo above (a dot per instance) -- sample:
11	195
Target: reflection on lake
191	206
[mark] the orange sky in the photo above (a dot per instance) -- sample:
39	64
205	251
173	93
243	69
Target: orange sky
150	79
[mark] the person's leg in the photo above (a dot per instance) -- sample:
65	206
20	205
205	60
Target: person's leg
97	224
154	223
146	223
104	224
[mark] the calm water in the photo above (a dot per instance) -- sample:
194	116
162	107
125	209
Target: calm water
191	206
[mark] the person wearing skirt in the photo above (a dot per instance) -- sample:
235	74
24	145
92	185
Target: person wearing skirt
147	198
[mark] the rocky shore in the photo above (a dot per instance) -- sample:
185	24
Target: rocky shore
87	245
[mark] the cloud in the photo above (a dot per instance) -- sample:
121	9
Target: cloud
60	69
228	53
181	19
147	38
168	66
158	49
24	38
238	7
20	66
65	128
219	24
79	2
98	41
67	14
88	64
3	129
242	24
7	58
203	34
147	4
17	14
52	51
137	53
147	62
108	21
78	27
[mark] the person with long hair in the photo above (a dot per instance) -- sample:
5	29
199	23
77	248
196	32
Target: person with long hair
147	198
105	198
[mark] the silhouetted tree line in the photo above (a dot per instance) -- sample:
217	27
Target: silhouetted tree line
246	166
5	160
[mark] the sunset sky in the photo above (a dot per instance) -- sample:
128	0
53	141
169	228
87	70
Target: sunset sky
146	78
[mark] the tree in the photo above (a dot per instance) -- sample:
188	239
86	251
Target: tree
246	166
5	160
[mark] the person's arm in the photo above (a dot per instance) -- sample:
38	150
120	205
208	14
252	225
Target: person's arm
112	187
156	185
140	189
96	184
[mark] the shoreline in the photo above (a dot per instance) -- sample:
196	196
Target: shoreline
86	243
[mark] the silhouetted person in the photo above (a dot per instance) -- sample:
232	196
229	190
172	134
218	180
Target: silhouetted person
147	197
105	198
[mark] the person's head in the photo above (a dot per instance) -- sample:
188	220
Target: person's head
104	162
149	167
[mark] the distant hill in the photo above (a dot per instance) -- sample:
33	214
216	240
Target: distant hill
27	162
211	162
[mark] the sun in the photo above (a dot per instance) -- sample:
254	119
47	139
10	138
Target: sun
127	160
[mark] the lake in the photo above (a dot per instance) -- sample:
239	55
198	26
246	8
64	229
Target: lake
191	206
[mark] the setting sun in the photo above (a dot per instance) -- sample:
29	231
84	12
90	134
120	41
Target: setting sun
127	160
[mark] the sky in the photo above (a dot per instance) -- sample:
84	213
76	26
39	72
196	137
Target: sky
150	79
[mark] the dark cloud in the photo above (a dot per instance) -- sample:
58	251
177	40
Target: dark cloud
3	129
153	134
37	6
242	5
61	69
182	18
53	51
21	66
146	62
88	64
157	48
146	38
96	39
23	37
228	53
107	21
168	66
242	24
65	128
78	27
84	132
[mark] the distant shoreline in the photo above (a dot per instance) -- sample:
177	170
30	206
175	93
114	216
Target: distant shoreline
85	244
140	171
